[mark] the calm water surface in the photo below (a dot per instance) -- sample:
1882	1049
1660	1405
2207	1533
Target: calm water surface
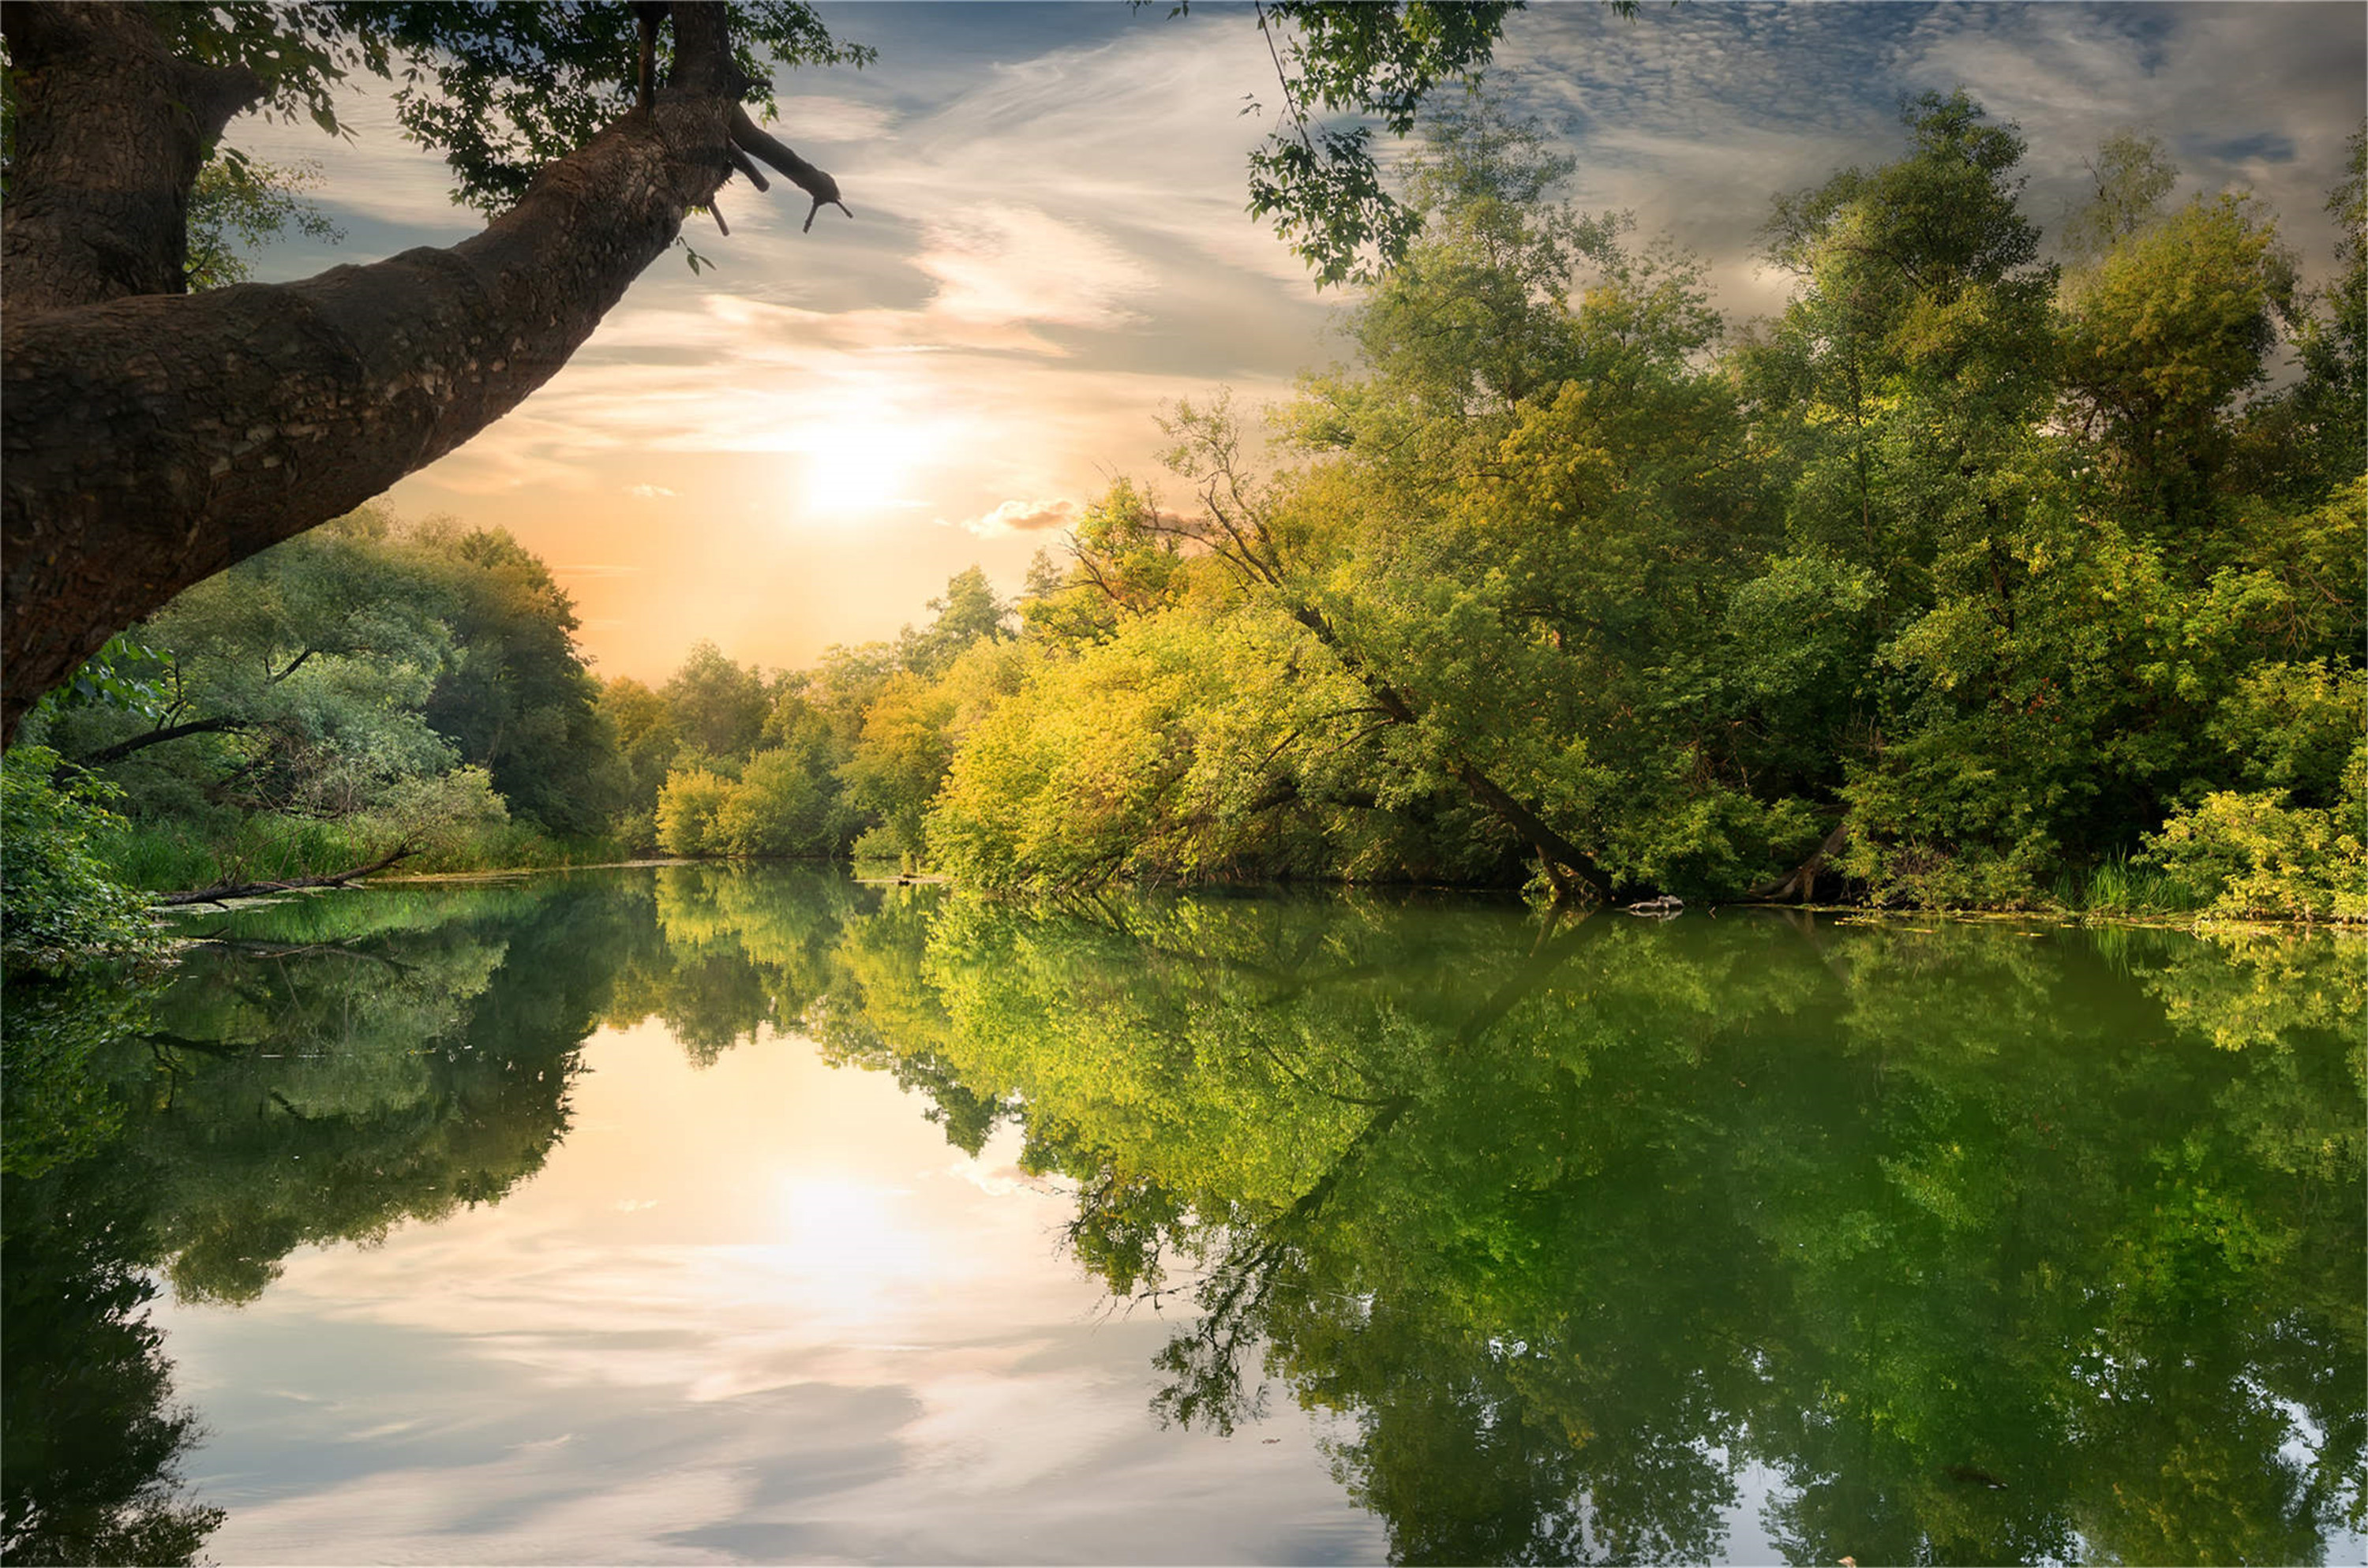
702	1215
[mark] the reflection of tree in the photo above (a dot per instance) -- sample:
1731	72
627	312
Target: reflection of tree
390	1070
329	1070
1989	1247
90	1442
1982	1252
744	950
737	949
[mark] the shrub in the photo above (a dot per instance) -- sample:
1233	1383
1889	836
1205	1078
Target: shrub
59	909
2253	855
687	808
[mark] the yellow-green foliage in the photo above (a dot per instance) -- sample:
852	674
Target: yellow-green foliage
688	809
2251	853
1152	754
2174	321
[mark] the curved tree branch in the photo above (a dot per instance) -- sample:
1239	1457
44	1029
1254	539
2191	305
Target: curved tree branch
747	137
152	439
228	891
147	738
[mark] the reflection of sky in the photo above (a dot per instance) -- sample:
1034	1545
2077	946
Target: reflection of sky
760	1310
756	1311
800	444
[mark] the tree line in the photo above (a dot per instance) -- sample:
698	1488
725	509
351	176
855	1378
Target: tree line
1975	576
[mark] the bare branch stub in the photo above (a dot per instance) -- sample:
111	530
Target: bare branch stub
753	139
748	167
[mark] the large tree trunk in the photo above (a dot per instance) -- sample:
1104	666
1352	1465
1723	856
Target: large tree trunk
111	130
151	438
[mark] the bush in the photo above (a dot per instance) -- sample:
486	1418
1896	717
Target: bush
687	808
2253	855
1926	874
881	843
779	807
59	907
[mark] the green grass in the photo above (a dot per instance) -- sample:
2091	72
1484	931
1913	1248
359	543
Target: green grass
2121	885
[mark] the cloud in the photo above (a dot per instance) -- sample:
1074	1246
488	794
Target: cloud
1050	244
1020	516
647	492
999	267
2263	147
831	120
378	176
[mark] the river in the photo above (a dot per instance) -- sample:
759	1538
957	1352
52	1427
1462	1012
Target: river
721	1214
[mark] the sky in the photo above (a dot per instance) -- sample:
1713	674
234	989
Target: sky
798	445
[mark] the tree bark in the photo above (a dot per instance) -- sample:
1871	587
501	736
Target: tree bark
1802	881
153	439
111	130
1557	852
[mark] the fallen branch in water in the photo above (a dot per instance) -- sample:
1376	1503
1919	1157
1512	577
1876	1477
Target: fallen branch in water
229	891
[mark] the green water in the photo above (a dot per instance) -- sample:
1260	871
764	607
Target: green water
696	1214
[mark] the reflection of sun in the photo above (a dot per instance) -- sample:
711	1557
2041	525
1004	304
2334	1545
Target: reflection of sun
855	1237
856	465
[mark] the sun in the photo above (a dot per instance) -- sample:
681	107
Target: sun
858	466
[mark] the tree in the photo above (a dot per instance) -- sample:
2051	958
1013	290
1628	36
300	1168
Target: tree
365	680
2131	176
719	707
152	437
514	695
2171	326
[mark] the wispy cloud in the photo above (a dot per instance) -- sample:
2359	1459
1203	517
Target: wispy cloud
1020	516
1051	243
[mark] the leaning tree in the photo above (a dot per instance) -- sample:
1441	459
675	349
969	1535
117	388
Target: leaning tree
154	436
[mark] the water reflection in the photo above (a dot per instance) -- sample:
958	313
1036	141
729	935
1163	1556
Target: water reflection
1593	1242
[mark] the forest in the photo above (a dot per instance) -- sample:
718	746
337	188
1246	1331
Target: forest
2000	569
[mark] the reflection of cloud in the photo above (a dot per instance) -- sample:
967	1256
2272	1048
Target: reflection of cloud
1003	1180
561	1378
1020	516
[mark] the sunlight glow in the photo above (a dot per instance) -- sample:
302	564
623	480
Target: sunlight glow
854	1239
858	466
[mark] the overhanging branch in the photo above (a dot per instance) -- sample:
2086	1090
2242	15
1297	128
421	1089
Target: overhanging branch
150	440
